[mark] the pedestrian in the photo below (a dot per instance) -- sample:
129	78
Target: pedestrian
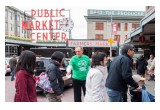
120	75
150	61
55	77
141	66
12	63
25	83
109	61
96	78
150	73
79	64
151	70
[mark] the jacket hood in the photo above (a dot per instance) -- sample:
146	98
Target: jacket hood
103	69
55	62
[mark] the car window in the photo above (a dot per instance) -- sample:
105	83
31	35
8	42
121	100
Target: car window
39	64
65	63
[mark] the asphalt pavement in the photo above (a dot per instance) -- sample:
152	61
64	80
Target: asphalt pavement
68	92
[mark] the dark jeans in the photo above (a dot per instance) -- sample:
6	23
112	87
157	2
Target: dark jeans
114	96
124	96
77	85
12	73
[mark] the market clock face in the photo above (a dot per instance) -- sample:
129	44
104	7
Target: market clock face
66	24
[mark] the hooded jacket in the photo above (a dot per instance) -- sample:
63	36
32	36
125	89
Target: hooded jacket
55	77
95	84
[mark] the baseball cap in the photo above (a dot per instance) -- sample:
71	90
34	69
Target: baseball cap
138	78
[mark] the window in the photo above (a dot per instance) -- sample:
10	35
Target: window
18	29
117	38
99	26
11	27
18	18
119	26
10	15
6	14
99	36
22	30
125	27
134	26
6	26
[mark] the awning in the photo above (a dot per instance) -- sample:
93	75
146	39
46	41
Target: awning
147	29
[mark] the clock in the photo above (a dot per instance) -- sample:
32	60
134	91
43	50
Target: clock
66	24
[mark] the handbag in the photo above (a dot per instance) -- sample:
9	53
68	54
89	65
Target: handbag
44	83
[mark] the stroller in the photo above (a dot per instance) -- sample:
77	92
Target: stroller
141	96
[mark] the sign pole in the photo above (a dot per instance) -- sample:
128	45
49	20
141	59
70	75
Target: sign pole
111	37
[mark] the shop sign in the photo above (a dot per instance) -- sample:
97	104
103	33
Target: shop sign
116	12
89	43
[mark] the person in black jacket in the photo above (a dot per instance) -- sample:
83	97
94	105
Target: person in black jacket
141	65
120	75
55	77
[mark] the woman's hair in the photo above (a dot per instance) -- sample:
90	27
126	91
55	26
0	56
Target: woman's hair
97	57
27	61
58	56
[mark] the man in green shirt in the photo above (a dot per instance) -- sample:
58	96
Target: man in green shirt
79	64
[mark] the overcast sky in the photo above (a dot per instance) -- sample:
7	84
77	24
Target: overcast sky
77	15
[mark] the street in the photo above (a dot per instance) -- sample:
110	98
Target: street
10	91
68	91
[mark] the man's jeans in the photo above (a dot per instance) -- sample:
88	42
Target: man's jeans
12	73
114	96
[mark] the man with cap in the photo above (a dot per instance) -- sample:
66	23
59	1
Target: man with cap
120	75
139	79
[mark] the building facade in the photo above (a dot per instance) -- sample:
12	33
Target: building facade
13	29
18	38
104	24
13	21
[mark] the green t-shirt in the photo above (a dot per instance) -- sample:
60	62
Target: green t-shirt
80	66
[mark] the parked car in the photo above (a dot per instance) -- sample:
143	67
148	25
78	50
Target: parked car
42	65
7	67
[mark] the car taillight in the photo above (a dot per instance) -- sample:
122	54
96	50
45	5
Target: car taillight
8	66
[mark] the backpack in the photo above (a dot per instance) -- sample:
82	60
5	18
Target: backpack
43	82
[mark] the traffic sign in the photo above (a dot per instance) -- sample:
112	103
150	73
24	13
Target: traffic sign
111	40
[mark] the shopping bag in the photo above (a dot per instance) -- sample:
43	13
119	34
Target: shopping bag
44	83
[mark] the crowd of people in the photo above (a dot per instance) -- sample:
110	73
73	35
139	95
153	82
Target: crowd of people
101	79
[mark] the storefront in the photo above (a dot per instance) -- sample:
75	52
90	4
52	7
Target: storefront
144	36
91	46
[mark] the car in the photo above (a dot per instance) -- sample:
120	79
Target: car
42	65
7	67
